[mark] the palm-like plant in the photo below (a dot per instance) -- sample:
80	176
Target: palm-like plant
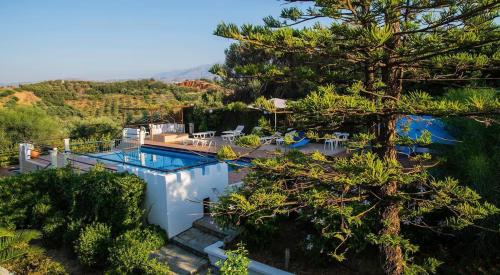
14	244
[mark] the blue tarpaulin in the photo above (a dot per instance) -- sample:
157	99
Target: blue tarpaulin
417	124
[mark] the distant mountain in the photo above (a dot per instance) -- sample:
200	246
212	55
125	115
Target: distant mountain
187	74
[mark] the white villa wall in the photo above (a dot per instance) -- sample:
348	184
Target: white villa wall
175	200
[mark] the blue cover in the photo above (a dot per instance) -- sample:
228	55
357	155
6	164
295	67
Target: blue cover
300	143
300	140
419	123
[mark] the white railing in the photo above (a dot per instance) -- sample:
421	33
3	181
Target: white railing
156	129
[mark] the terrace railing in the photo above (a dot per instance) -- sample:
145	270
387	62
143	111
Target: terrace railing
103	146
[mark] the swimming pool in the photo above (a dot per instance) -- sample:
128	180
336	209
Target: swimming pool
165	160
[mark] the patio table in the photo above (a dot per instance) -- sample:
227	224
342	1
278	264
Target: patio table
204	135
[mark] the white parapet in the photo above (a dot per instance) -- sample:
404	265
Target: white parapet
25	163
216	253
175	200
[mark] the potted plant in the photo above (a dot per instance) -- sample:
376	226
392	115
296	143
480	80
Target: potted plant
35	154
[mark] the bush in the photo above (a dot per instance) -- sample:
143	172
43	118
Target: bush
130	253
35	263
237	106
92	245
112	198
86	211
95	128
6	93
248	141
30	200
226	153
27	123
236	263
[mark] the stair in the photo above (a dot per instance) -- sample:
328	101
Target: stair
207	225
195	240
181	261
184	254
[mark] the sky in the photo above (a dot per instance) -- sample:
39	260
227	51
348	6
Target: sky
115	39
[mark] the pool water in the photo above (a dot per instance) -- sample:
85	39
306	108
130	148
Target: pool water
164	159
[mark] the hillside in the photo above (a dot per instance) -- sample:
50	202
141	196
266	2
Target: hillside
199	72
66	99
10	96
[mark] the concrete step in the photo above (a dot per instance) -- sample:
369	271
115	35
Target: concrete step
195	240
181	261
207	225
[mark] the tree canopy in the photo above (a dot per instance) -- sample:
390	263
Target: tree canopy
363	57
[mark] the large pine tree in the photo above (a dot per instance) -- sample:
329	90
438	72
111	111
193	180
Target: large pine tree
385	42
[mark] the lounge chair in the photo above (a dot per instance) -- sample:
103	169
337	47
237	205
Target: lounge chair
269	139
231	137
299	141
238	130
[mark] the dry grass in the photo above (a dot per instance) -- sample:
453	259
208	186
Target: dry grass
25	98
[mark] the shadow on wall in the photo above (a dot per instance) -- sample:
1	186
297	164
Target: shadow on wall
175	200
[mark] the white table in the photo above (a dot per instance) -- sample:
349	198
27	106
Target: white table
203	135
333	143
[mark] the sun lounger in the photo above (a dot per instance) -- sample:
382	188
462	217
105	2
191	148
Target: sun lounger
269	139
239	129
231	137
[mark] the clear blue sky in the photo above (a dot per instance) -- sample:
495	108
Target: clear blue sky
111	39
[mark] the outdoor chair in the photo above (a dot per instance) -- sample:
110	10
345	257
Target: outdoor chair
239	129
231	137
269	139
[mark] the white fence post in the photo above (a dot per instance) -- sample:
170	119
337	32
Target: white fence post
53	157
142	135
24	154
66	145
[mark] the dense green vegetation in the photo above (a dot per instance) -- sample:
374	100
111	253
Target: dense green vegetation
98	214
52	110
368	62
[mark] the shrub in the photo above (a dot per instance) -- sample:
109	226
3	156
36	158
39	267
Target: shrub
27	123
112	198
130	253
237	106
29	200
95	128
236	263
248	141
14	244
226	153
6	93
92	245
36	263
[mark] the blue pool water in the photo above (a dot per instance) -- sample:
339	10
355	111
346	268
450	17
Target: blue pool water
163	159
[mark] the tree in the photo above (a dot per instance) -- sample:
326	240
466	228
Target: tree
389	42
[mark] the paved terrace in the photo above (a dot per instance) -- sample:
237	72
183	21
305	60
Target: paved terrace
83	163
267	150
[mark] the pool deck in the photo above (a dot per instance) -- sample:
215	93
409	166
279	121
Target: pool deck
84	163
266	150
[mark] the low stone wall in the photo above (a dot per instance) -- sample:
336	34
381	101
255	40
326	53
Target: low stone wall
215	254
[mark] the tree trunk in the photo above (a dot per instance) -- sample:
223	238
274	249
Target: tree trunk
369	77
391	75
392	254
